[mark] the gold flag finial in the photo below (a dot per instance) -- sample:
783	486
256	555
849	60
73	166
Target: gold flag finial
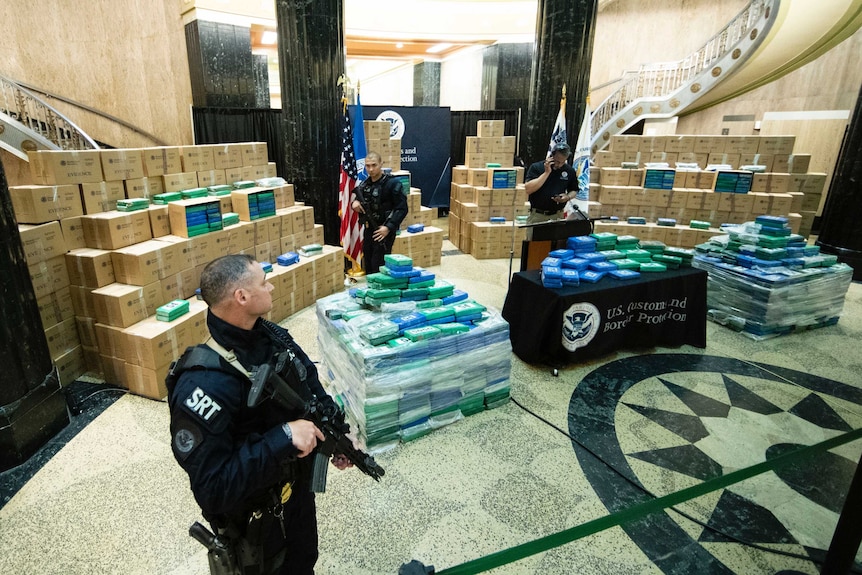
564	91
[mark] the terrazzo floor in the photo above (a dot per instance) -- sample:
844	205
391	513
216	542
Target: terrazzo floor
601	438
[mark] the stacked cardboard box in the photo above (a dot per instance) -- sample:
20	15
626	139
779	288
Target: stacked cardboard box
100	274
784	187
377	139
423	247
416	212
479	193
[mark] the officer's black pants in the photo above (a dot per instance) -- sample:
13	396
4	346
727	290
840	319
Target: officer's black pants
300	525
373	252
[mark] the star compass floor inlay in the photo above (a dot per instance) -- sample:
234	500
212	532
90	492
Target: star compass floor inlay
652	425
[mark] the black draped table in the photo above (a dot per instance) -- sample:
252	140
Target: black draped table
561	325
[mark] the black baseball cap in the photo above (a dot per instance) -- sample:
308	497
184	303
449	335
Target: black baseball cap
561	147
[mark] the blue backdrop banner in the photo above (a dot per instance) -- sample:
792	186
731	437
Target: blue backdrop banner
425	133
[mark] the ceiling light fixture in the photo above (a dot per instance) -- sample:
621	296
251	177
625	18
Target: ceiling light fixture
437	48
268	38
399	45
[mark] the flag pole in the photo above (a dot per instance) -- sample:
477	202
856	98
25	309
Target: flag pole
356	270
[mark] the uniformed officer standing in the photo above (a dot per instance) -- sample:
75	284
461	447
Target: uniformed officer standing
381	199
549	185
248	467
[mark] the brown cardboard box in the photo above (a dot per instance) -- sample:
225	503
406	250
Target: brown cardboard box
70	366
55	307
490	128
160	221
73	232
177	213
197	158
152	344
742	144
62	337
55	167
625	143
708	145
87	331
120	305
122	164
161	160
145	382
39	204
41	242
144	263
49	276
114	230
766	160
226	156
781	204
285	196
254	153
211	178
459	174
88	267
145	187
181	285
377	129
102	196
679	144
799	163
177	182
776	144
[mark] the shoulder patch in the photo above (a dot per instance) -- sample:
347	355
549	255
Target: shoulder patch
203	406
187	438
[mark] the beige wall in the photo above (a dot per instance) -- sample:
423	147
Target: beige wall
126	58
629	34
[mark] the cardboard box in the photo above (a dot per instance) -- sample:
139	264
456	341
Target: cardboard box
225	155
54	167
122	164
377	129
145	382
211	178
55	307
102	196
121	305
147	262
73	232
177	213
161	160
41	242
145	187
181	285
70	366
62	337
177	182
49	276
197	158
254	153
153	344
781	204
799	163
160	221
776	144
40	204
114	230
490	128
88	267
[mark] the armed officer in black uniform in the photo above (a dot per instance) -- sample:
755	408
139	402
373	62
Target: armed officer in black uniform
248	466
549	185
382	203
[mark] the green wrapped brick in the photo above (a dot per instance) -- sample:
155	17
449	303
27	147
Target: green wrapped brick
699	224
671	262
244	184
349	315
383	293
653	267
194	193
627	264
436	312
399	342
612	254
638	254
468	308
425	284
424	304
219	190
414	293
422	333
397	260
162	199
452	328
440	291
132	204
172	310
378	332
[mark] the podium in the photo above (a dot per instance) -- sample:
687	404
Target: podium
550	236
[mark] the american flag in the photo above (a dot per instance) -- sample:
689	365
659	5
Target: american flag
351	231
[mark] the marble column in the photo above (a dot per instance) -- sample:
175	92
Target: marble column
32	404
563	53
426	84
506	77
840	227
221	66
311	56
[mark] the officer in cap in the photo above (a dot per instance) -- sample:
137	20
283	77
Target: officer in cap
550	184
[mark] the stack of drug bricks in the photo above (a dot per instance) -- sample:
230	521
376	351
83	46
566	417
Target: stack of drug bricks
116	241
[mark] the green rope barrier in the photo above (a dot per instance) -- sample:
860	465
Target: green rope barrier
519	552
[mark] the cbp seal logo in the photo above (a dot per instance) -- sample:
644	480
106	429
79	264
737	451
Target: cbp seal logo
396	122
580	324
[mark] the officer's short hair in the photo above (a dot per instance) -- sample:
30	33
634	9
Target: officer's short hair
222	276
373	156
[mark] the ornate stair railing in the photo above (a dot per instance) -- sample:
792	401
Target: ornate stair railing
34	124
664	89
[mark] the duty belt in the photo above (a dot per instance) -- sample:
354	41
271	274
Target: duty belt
547	212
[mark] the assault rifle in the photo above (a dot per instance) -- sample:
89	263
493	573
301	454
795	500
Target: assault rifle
266	383
365	215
